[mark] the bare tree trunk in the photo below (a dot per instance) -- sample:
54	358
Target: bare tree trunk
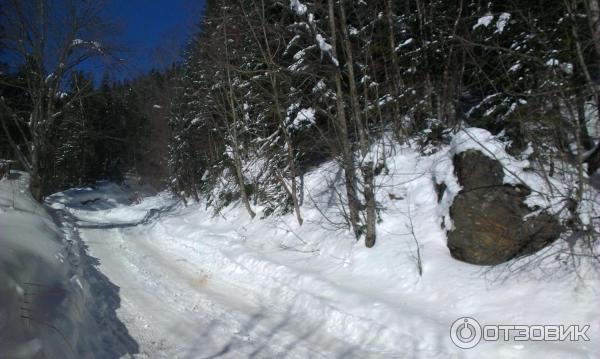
36	182
38	144
293	192
293	175
594	18
233	130
347	156
366	160
288	140
242	184
395	80
586	140
593	89
273	73
237	160
370	203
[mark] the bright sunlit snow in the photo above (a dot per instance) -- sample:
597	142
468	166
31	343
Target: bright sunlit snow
196	284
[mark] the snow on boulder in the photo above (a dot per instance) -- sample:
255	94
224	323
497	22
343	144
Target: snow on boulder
492	224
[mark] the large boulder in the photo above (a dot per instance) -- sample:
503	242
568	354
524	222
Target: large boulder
489	216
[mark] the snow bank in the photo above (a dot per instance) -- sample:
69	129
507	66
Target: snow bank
125	204
31	254
48	307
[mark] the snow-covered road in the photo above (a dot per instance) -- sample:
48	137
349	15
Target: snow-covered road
175	309
174	302
193	284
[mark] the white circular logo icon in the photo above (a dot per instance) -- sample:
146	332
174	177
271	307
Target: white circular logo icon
465	333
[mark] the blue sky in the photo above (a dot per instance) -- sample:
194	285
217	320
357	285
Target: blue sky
152	34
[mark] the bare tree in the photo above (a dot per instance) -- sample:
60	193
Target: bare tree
49	39
232	126
346	147
260	35
366	161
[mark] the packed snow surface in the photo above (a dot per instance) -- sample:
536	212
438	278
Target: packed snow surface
196	284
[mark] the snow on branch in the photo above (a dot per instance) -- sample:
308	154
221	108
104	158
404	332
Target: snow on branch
94	45
298	7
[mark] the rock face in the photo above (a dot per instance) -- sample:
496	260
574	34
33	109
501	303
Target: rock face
488	215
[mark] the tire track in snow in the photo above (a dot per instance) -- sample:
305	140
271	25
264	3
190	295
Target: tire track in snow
169	313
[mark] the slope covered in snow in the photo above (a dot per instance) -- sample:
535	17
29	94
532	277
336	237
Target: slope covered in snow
53	301
199	284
